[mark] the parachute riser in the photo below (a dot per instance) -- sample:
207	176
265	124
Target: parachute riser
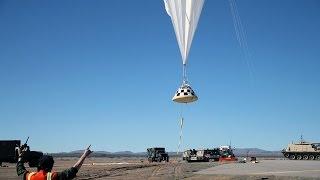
184	74
181	124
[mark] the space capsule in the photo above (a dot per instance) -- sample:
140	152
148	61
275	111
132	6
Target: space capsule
185	94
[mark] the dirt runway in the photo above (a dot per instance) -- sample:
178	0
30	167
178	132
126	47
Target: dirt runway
138	168
120	168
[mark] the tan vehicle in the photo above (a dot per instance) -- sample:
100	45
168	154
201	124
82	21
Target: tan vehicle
193	155
302	150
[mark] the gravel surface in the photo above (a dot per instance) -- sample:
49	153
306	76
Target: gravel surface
137	168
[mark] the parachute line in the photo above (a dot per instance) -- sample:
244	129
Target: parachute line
184	73
181	119
241	36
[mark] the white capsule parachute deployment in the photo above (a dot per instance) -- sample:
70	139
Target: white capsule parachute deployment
184	16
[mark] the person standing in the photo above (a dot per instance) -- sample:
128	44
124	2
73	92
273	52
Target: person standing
45	168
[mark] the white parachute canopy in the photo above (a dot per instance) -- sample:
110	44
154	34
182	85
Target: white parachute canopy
184	16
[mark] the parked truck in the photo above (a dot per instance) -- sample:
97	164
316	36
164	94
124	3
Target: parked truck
223	153
226	154
193	155
214	154
157	154
9	152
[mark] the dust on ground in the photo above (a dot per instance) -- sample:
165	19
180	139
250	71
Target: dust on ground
119	168
135	168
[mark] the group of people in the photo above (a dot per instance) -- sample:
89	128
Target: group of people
44	169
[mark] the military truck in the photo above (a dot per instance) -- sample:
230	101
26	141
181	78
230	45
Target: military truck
226	154
9	152
302	151
214	154
193	155
157	154
223	153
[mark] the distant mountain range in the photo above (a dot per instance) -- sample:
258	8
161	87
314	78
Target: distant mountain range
256	152
238	152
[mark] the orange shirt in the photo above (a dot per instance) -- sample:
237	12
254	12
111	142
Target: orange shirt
40	175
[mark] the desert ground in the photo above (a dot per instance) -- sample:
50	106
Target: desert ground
139	168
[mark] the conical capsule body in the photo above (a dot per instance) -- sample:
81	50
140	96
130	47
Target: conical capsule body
185	94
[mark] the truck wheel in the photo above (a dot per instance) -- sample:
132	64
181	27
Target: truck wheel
286	155
318	157
299	157
305	157
292	157
311	157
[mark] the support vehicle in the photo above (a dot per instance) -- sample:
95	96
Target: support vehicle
226	154
9	152
302	151
157	154
193	155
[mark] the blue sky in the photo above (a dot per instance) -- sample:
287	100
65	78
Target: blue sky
74	73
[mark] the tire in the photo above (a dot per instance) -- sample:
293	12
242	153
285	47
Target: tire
299	157
318	157
286	155
292	157
305	157
311	157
